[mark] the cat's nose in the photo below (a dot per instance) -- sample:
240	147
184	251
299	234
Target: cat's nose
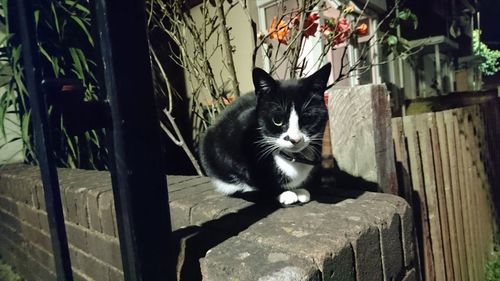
294	140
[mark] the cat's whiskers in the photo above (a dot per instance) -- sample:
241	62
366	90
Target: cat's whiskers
269	146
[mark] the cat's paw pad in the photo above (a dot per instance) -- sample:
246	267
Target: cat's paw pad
288	198
303	196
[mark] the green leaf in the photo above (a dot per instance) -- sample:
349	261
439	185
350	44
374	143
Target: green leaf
84	29
25	124
78	6
77	64
3	110
392	40
56	18
37	17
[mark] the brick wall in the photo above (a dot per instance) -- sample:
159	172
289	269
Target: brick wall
90	224
367	236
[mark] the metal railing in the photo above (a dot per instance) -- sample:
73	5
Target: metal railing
139	185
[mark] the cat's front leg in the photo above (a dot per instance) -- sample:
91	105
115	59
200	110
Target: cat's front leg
290	197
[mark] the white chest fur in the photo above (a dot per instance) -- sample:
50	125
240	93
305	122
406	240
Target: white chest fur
297	172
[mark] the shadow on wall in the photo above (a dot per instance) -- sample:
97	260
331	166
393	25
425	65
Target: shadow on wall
192	243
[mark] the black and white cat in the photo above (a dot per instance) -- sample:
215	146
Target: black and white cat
270	141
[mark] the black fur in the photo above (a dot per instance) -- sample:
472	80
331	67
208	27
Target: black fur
230	149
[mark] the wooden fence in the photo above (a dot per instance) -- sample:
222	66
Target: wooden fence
445	163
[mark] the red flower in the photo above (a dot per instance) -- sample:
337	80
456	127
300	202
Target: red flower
310	24
278	31
342	31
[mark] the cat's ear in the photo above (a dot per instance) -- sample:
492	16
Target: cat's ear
262	81
319	80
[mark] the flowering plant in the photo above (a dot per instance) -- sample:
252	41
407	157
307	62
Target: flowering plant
285	40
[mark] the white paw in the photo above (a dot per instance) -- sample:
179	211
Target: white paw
288	198
303	195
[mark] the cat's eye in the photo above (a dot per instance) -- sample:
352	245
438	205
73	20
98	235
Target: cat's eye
278	121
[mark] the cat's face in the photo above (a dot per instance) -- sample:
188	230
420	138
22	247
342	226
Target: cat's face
291	114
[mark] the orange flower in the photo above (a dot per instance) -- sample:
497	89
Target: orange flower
278	31
362	29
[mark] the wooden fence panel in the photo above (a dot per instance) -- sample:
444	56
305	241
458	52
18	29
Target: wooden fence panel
455	183
430	187
446	161
419	201
447	186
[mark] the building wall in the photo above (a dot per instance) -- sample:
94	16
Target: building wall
242	42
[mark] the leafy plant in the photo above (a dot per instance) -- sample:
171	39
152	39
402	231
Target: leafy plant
198	39
65	45
291	28
493	266
491	64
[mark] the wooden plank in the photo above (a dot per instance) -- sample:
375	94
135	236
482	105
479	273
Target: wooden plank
462	162
480	190
484	204
443	211
455	190
492	122
477	188
466	150
421	213
450	101
431	194
447	184
360	132
402	161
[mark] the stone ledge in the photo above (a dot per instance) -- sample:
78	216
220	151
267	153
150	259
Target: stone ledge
353	239
349	237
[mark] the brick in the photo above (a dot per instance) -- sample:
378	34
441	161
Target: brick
43	221
93	207
42	256
212	205
90	266
10	233
26	265
8	219
389	226
172	180
105	248
367	256
77	236
69	204
405	213
189	191
115	275
79	276
115	222
7	204
29	215
179	214
40	199
36	236
236	259
105	202
313	235
340	266
187	182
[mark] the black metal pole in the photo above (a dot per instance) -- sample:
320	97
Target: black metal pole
139	184
43	145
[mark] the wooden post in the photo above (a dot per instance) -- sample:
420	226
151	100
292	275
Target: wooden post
360	132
